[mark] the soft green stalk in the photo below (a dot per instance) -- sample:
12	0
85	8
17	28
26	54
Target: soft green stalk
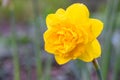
109	28
76	69
116	68
37	39
14	45
97	67
83	73
28	65
47	75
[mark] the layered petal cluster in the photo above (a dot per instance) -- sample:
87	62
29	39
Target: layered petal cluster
71	34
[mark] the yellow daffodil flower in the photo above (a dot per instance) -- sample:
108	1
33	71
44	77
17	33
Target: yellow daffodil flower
71	34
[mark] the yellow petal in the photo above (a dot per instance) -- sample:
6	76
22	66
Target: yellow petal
49	37
77	51
61	60
53	19
96	26
92	51
60	11
77	13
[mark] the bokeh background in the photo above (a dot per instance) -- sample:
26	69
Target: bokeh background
22	55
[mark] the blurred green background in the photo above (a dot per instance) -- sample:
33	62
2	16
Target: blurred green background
22	55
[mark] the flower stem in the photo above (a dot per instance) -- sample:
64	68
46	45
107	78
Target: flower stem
97	67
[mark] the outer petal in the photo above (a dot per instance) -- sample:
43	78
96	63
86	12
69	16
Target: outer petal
53	19
49	38
92	51
61	60
77	13
60	12
96	26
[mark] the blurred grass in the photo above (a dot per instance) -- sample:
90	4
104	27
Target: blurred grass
37	40
14	44
33	13
110	26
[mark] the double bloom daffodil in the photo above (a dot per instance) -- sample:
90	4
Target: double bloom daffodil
71	34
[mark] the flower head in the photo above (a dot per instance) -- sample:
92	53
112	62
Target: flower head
71	34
